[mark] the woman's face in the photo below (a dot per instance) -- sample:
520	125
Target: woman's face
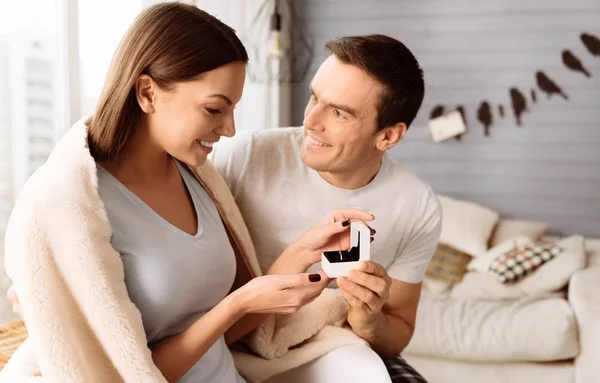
186	120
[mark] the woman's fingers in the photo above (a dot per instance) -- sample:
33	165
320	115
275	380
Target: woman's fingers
300	293
349	213
290	281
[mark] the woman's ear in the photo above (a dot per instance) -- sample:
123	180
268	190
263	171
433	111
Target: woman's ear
390	136
145	93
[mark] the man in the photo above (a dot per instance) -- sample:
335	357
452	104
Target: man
364	97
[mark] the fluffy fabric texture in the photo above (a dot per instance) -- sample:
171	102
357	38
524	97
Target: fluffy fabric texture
82	325
279	333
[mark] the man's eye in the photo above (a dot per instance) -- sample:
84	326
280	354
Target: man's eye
213	111
338	114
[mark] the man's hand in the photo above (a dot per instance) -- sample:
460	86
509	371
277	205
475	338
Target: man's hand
366	289
331	233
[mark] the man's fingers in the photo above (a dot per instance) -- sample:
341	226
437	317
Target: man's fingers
373	268
369	281
352	300
366	296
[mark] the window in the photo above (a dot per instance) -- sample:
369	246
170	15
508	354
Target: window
29	50
97	43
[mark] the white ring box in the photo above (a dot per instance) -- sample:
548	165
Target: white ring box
338	263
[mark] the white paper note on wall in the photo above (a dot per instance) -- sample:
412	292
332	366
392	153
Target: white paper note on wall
447	126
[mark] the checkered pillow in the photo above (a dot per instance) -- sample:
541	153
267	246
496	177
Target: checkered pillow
519	262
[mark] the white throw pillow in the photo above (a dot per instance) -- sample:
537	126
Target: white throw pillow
466	226
510	228
551	276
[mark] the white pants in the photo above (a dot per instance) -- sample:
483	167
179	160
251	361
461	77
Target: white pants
350	364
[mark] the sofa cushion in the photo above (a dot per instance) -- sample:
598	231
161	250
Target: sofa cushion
447	264
585	301
466	226
435	287
593	249
528	329
445	371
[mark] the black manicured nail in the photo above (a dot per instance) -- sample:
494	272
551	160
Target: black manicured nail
345	222
314	277
372	239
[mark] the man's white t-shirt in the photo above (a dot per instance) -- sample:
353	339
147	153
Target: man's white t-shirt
280	198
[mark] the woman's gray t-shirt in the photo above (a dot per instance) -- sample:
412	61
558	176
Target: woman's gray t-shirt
174	278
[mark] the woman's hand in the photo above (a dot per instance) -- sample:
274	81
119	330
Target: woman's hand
330	234
279	294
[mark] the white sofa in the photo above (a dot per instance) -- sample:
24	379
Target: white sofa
548	338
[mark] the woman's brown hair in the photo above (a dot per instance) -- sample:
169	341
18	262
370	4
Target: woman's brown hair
170	42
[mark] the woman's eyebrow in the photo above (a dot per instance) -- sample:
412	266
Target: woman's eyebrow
222	96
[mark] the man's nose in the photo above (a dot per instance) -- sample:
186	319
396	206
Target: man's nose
313	119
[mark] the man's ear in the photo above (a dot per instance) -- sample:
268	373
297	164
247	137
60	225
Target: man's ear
390	136
145	93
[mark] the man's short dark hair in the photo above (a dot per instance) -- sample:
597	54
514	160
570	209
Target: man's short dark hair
392	64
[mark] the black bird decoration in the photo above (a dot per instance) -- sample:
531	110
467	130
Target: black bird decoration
436	112
591	42
548	85
519	103
484	115
572	62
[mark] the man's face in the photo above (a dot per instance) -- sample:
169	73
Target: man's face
340	120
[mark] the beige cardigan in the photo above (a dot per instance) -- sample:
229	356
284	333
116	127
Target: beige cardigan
82	325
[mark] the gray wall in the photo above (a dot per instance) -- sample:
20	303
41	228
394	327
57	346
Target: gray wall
547	169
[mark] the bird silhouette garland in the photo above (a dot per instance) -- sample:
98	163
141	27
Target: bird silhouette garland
546	84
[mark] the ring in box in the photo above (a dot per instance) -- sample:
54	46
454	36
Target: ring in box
338	263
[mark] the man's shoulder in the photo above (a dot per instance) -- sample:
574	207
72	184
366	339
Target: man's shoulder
254	153
401	175
279	139
267	141
412	186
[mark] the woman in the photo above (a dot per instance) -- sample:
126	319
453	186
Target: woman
169	96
